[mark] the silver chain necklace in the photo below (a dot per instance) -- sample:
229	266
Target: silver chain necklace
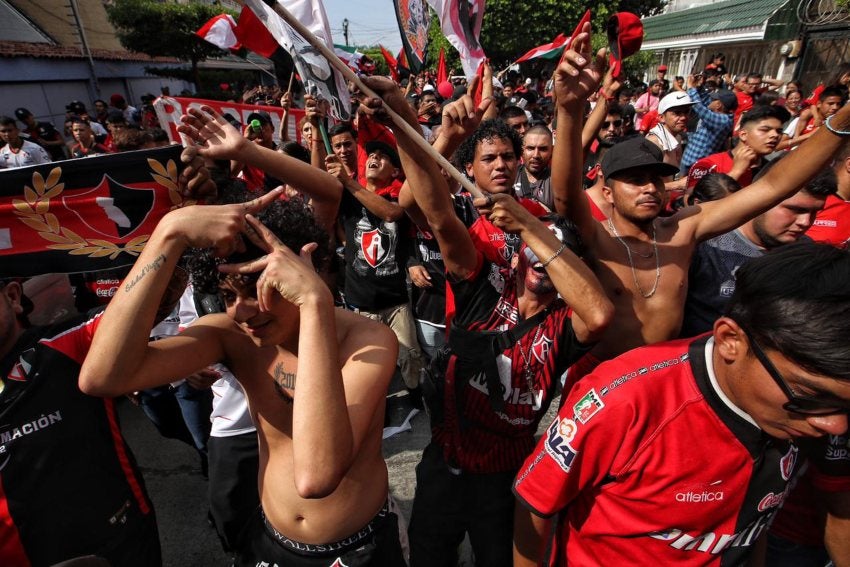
632	264
526	359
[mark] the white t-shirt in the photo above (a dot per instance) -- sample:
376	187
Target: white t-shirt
29	154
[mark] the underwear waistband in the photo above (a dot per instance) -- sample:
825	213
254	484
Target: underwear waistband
339	546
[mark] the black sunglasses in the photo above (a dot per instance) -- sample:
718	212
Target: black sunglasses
805	405
616	123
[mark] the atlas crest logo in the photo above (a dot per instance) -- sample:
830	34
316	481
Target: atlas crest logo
110	209
788	462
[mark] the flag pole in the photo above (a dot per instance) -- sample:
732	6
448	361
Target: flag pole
351	76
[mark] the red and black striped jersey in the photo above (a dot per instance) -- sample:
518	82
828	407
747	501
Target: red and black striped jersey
475	437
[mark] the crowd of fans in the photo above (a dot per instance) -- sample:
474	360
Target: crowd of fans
618	222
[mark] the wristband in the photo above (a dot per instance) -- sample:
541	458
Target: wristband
833	130
551	258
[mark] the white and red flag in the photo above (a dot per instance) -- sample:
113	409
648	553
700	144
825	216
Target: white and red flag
461	22
316	73
221	32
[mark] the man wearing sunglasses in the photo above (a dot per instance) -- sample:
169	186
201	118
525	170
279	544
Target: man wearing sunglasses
698	440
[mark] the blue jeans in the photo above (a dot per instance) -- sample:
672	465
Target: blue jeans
181	413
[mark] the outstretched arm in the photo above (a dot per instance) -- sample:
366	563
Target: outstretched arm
429	187
592	310
219	140
782	181
121	360
575	79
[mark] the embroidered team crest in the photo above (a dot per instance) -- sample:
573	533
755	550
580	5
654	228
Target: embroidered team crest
21	369
541	348
786	463
375	245
587	406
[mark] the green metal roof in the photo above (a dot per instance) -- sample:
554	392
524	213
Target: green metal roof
713	18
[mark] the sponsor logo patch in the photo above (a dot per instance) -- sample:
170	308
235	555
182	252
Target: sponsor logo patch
587	406
558	447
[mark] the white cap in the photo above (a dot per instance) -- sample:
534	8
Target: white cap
674	99
429	88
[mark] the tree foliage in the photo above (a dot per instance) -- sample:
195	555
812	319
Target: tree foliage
512	28
164	29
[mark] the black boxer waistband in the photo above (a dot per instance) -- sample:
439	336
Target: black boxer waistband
351	542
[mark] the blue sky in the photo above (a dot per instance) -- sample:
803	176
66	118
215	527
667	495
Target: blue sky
369	22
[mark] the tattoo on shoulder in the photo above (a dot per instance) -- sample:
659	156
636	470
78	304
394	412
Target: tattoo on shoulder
283	379
146	269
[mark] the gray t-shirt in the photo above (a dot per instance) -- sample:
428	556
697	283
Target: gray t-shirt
711	279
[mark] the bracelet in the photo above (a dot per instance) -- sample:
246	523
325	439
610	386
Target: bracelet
551	258
833	130
609	98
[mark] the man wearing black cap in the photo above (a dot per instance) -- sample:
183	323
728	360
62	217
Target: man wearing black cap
715	112
376	248
642	260
42	133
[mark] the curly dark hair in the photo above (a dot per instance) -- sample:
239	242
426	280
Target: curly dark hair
290	220
488	130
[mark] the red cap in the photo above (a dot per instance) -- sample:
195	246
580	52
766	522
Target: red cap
625	36
662	67
446	89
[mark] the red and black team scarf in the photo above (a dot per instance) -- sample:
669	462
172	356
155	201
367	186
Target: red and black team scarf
86	214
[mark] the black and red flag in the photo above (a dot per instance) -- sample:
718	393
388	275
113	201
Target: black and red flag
84	215
413	23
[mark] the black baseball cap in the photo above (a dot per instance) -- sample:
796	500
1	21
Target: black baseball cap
76	107
727	97
22	113
635	152
383	147
263	117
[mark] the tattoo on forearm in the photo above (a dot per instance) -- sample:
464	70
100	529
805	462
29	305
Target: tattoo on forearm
283	379
146	269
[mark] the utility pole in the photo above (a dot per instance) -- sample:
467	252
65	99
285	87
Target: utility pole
345	30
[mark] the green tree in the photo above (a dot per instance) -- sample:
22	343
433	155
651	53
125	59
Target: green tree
512	28
164	29
436	41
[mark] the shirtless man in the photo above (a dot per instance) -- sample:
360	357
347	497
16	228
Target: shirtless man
640	259
323	482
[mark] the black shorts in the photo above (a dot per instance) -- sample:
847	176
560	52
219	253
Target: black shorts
376	545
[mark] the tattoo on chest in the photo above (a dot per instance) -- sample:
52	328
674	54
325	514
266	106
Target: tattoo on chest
146	269
283	379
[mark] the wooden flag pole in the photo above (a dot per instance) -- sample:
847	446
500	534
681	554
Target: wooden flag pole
351	76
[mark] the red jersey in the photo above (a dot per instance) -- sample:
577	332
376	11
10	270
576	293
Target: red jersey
649	463
832	224
745	103
496	245
721	162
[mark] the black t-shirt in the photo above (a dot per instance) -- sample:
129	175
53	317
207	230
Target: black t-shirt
69	485
429	303
375	256
46	132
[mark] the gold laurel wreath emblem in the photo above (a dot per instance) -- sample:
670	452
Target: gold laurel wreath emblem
34	211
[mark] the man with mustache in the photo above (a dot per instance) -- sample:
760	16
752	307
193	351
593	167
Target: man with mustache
642	260
533	178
